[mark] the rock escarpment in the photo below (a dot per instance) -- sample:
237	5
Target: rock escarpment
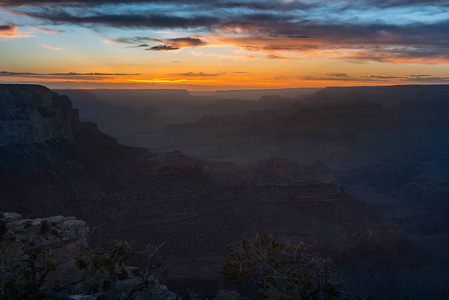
34	114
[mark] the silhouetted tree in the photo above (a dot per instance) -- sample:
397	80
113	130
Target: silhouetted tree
110	266
280	271
24	272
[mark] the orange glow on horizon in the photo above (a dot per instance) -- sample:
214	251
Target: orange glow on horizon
198	84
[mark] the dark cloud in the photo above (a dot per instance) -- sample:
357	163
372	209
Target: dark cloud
415	78
164	45
317	78
254	5
6	73
95	74
11	31
271	27
291	36
200	74
339	75
402	3
430	54
267	17
251	48
427	79
58	16
16	3
273	56
379	78
164	48
7	27
168	20
382	77
375	42
262	5
60	77
188	41
273	24
416	42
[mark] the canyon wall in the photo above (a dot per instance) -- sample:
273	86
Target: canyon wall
34	114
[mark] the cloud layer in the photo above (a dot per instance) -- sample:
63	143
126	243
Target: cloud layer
355	30
71	76
260	4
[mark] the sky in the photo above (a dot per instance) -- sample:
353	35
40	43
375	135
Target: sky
220	44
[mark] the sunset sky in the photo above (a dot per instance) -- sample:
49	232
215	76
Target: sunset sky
220	44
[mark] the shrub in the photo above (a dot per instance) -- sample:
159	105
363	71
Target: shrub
280	271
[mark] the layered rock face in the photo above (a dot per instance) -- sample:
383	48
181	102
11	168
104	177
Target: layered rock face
34	114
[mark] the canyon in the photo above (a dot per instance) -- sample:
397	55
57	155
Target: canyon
197	205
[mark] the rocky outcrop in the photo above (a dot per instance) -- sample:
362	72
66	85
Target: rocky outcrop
32	114
43	233
44	243
48	249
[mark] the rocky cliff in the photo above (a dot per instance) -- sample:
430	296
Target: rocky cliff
34	114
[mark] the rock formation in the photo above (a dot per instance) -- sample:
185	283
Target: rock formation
34	114
48	243
53	244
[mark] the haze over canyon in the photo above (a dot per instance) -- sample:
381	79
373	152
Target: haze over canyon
359	173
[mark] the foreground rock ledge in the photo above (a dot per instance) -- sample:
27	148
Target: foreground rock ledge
64	238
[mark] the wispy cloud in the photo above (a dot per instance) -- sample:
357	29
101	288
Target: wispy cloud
353	79
6	73
423	78
338	75
274	56
51	47
199	74
48	30
383	77
65	76
429	79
